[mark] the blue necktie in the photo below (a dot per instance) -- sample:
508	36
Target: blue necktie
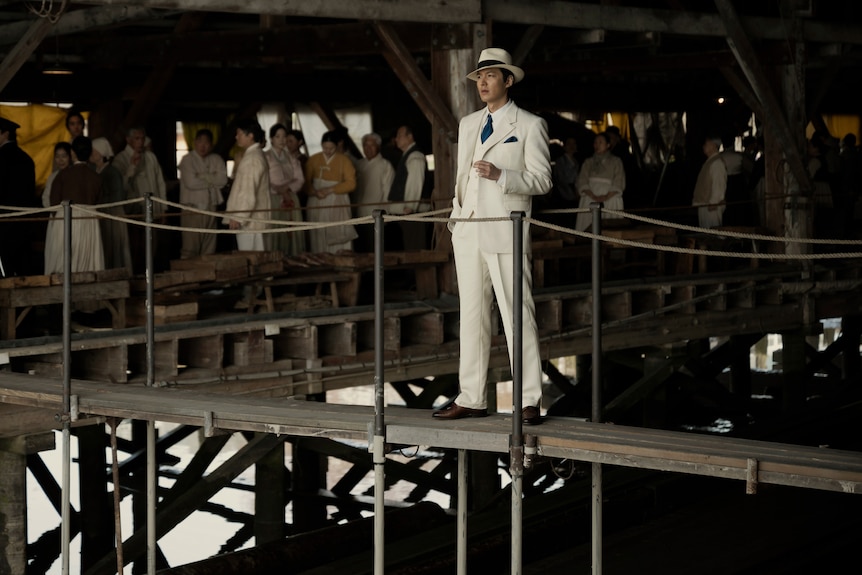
487	130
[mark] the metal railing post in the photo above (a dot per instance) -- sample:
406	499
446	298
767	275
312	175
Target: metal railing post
379	447
516	448
596	415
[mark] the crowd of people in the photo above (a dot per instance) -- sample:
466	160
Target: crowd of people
274	183
723	187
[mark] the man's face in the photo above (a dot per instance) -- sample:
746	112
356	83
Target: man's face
203	146
4	137
244	140
403	139
370	148
493	89
136	141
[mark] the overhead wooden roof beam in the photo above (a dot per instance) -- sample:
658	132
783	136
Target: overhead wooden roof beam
449	11
23	49
414	80
772	110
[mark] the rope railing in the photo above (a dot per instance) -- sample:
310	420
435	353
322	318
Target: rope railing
281	226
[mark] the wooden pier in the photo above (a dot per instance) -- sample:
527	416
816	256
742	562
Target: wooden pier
752	462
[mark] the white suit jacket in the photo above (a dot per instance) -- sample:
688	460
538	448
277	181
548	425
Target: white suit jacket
519	145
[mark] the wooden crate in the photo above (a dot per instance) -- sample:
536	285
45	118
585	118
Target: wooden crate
164	311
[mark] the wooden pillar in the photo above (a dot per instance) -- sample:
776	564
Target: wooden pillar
96	510
449	69
740	367
851	333
797	206
308	475
793	369
13	511
269	497
138	483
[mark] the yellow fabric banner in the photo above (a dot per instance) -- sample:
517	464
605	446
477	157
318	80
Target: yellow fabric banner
41	127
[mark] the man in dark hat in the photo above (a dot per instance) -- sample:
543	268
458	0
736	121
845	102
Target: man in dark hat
17	188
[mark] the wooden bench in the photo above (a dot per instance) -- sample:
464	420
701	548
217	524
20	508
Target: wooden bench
18	295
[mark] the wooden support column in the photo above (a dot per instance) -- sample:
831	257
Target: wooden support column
96	510
450	65
13	511
793	369
781	126
308	475
851	333
269	497
740	367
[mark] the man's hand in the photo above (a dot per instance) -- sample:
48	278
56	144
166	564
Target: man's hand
487	170
233	224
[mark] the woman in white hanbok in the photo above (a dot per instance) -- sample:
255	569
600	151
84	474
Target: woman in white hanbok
54	237
601	179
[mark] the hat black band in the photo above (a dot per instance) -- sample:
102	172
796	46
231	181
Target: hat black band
489	63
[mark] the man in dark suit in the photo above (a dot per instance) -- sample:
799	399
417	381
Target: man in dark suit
17	188
503	161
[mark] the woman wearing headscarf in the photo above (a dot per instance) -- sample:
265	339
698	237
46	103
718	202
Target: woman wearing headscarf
601	179
329	179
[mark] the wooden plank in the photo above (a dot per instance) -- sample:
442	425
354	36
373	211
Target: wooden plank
44	295
296	343
391	334
649	300
426	328
249	349
549	315
202	352
616	306
337	339
180	310
680	295
718	302
744	298
578	311
165	354
108	364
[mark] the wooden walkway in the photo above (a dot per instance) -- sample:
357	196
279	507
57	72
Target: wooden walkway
286	353
749	461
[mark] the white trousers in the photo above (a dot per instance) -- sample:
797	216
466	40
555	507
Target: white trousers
480	276
250	242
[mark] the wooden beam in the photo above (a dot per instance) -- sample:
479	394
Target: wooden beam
16	57
564	14
739	43
414	80
451	11
528	40
76	21
152	90
743	89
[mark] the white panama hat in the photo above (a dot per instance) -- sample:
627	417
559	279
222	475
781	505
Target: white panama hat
496	58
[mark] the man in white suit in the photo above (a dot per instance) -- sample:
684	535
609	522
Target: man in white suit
503	161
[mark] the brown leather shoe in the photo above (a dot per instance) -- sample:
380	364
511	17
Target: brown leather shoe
531	415
455	411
